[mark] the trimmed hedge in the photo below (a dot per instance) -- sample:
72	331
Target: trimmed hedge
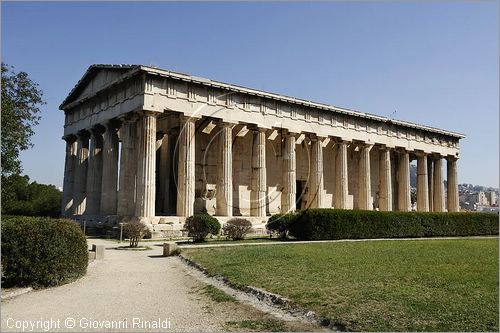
200	225
323	224
42	252
280	223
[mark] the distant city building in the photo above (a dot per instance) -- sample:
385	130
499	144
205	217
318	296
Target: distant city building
482	200
492	198
478	198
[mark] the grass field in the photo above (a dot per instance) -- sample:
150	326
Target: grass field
427	285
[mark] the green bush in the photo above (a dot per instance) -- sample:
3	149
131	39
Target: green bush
41	251
30	199
317	224
280	223
200	225
237	228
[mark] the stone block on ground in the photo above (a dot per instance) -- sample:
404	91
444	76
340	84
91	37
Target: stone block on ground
169	248
99	251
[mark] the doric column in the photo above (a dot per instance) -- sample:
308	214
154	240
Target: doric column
316	176
430	182
128	168
342	181
438	185
67	207
224	190
385	188
288	194
94	175
109	170
146	165
422	183
453	205
80	196
186	177
364	184
404	198
259	182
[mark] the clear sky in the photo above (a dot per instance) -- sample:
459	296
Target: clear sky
435	63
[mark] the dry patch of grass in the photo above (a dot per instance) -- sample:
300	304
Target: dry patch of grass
431	285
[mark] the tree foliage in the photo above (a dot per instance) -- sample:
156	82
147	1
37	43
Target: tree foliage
30	199
21	101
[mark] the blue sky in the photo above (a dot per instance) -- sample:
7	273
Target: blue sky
435	63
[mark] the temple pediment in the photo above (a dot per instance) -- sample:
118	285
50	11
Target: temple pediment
95	78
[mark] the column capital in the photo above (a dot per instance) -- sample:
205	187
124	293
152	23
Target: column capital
451	158
436	155
70	138
257	127
340	140
225	123
97	130
383	147
315	137
112	124
129	117
149	113
401	150
83	135
183	118
285	132
420	153
368	145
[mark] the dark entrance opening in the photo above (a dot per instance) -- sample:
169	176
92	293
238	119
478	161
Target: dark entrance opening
299	187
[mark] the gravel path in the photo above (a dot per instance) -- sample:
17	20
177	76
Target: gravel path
125	285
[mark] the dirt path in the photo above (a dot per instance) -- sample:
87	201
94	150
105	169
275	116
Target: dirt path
123	286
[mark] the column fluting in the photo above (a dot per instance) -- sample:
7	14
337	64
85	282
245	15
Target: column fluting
81	173
385	179
316	176
146	166
67	205
438	185
404	197
453	203
186	168
342	179
289	192
364	185
259	182
128	168
109	170
94	175
224	190
422	183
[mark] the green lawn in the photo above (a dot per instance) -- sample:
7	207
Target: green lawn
428	285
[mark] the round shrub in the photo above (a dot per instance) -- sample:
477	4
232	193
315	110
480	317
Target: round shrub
200	225
42	252
237	228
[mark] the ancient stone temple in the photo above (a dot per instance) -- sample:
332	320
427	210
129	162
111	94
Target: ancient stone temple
147	143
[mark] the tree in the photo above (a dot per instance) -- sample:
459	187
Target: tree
31	199
21	101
